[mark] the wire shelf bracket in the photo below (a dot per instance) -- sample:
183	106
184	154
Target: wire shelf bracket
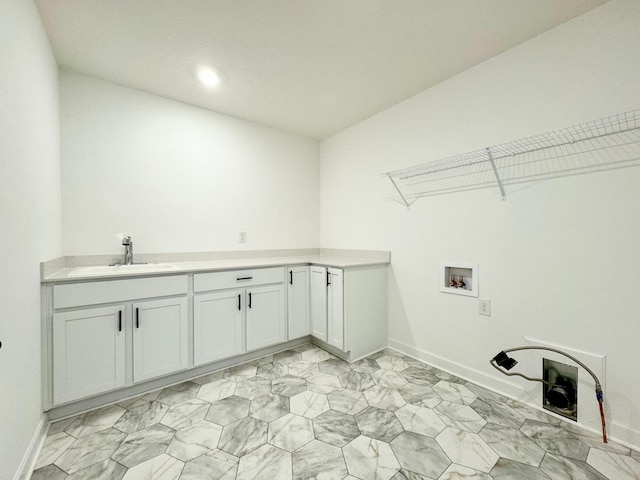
605	144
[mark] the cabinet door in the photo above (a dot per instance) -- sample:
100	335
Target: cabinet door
318	294
217	325
160	337
88	352
335	310
266	319
298	308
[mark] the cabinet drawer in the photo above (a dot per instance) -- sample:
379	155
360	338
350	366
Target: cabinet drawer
110	291
203	282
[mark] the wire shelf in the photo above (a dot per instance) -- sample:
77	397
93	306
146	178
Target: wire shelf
609	143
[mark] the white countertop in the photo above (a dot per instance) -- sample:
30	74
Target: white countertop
338	261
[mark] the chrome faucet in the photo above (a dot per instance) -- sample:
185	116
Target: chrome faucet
128	250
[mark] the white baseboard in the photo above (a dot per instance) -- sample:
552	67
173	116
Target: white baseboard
33	450
480	378
616	432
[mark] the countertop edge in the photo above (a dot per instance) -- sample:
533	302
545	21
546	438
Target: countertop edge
63	275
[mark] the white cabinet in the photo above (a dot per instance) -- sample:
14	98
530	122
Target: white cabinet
318	297
88	352
266	317
298	302
335	308
217	325
327	316
160	338
237	311
109	334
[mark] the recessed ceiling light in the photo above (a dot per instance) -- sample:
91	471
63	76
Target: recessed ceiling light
208	77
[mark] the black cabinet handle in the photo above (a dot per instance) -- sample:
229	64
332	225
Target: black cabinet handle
239	304
244	278
119	320
328	279
137	318
290	277
249	299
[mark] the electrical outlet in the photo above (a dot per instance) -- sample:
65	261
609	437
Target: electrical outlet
243	237
484	307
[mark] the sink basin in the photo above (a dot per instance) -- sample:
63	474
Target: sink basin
100	270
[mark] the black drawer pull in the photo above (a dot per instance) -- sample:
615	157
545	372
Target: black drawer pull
249	299
328	279
119	320
244	278
290	277
137	318
239	304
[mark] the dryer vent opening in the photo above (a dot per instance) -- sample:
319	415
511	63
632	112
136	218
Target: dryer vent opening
560	395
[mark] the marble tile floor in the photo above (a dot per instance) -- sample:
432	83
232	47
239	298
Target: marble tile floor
304	414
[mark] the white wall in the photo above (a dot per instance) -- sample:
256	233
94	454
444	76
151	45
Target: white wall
178	178
557	258
29	217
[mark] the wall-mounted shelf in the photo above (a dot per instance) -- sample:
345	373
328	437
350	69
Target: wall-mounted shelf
605	144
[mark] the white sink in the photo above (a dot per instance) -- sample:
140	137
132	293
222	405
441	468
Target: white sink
100	270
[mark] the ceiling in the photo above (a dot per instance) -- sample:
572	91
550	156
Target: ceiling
313	67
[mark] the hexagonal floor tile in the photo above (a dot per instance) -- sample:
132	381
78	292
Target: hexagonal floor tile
389	378
253	388
393	363
184	414
318	460
379	424
269	407
215	465
265	463
454	392
176	394
143	445
512	444
240	372
420	420
214	391
309	404
468	449
95	421
456	472
460	416
243	436
335	428
194	440
142	416
290	432
288	386
366	365
316	355
370	458
356	381
420	454
323	383
162	467
228	410
334	366
497	413
385	398
303	369
420	376
287	357
420	395
347	401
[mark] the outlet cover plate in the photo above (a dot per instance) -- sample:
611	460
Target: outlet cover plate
484	307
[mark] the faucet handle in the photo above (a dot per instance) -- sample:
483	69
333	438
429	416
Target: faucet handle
127	240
